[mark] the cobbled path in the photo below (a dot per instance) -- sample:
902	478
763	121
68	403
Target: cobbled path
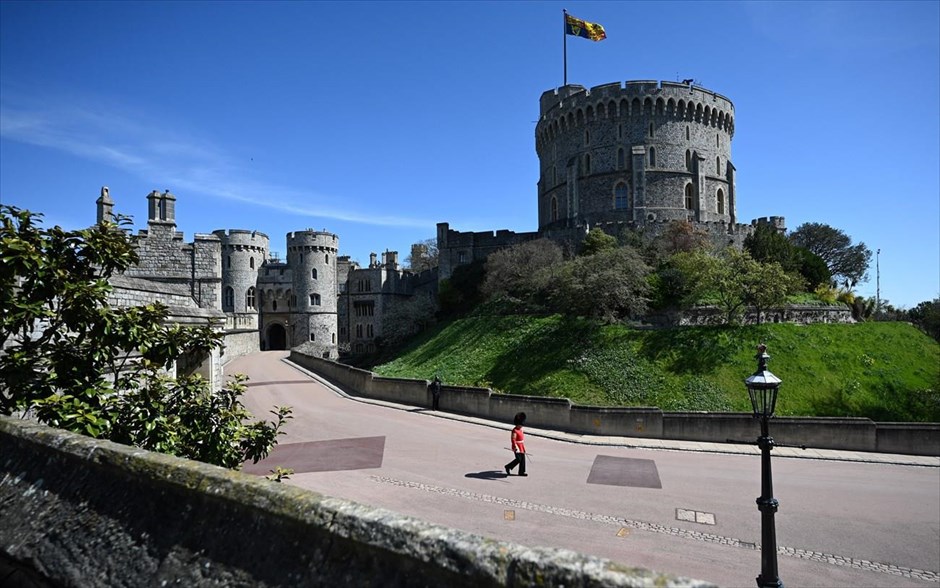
827	558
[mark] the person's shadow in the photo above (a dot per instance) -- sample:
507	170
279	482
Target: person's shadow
489	475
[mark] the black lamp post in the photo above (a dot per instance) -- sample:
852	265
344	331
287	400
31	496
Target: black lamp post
762	388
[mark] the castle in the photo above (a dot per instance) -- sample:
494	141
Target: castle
633	156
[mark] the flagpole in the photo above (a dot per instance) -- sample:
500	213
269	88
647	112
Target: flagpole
564	36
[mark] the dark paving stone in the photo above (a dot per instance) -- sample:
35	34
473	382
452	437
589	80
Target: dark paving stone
624	471
360	453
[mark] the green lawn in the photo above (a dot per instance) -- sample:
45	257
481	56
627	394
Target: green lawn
884	371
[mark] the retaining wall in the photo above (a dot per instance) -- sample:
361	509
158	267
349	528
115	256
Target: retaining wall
77	511
853	434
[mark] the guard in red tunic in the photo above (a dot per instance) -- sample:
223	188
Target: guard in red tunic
517	439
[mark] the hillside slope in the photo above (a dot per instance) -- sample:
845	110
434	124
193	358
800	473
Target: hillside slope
884	371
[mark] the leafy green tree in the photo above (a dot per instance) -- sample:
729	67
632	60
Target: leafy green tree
766	244
609	285
812	267
847	263
732	281
926	315
74	362
460	293
596	241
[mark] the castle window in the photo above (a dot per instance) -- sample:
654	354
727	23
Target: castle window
587	163
364	308
688	196
688	135
587	137
651	129
620	131
313	274
688	160
721	201
718	165
554	211
717	140
250	299
621	195
315	300
369	332
461	257
620	158
274	305
652	157
228	261
334	338
301	259
327	258
251	262
228	299
313	336
359	335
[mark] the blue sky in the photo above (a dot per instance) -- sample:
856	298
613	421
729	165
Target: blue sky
376	121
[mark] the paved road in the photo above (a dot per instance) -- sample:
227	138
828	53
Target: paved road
691	513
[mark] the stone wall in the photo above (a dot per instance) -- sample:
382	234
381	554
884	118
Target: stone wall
853	434
83	512
239	343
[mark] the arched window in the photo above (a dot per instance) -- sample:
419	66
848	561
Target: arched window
315	300
313	273
587	163
228	298
652	157
250	299
327	258
721	201
251	262
620	158
554	211
688	160
688	196
621	196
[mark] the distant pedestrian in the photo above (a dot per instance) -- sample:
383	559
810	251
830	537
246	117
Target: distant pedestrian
517	438
435	392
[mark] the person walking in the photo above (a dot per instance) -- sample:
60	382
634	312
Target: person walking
435	392
517	438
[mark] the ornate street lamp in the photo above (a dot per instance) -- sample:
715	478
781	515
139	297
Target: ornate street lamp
762	387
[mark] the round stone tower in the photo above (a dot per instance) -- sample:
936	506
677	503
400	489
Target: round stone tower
311	256
243	254
638	153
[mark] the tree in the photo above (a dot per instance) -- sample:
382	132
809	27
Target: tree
609	285
926	315
76	363
424	256
681	236
522	272
733	281
597	240
767	244
847	263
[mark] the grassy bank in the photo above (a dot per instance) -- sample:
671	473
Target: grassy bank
884	371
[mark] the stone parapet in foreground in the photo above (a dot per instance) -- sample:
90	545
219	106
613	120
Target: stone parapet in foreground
84	512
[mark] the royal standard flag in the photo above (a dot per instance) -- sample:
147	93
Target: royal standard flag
580	28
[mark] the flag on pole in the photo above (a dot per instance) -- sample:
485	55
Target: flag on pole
580	28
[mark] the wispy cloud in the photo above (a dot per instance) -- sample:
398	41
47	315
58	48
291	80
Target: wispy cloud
149	151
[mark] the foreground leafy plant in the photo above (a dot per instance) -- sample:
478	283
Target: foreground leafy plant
74	362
